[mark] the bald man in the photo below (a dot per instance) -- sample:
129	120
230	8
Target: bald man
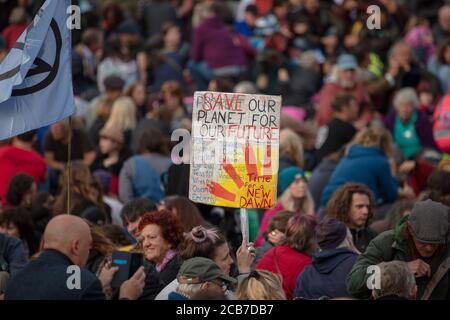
52	276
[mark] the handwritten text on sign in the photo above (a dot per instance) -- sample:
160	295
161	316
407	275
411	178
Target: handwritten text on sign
235	142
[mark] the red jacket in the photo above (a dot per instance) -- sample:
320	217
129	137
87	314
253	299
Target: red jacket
12	33
290	264
14	160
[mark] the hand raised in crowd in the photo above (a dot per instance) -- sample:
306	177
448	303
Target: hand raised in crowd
276	237
283	75
419	268
245	256
407	166
133	287
106	276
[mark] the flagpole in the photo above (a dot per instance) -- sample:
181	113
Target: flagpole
69	164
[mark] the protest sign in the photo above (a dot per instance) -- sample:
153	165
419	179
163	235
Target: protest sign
234	151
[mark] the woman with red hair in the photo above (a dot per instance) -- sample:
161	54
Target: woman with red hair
161	234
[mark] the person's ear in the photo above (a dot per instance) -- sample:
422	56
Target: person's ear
204	286
75	247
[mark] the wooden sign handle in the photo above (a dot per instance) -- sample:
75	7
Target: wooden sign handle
244	225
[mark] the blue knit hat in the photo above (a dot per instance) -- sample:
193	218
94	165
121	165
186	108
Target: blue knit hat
287	176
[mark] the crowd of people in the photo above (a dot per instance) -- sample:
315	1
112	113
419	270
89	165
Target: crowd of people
364	174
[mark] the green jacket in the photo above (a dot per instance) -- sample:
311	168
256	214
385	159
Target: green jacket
389	246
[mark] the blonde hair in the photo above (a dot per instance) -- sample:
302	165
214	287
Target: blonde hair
123	114
306	204
103	108
291	145
261	285
376	137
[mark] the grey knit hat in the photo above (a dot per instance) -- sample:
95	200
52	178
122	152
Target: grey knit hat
429	222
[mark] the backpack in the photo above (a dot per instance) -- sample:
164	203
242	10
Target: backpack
146	181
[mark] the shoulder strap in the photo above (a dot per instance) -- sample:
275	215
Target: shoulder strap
276	264
440	272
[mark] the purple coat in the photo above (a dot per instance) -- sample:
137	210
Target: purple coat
422	126
212	42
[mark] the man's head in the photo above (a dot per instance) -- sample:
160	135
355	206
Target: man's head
444	17
250	15
132	213
353	204
428	226
311	6
345	106
347	65
60	130
171	35
396	279
69	235
113	87
93	39
200	273
129	33
28	137
402	52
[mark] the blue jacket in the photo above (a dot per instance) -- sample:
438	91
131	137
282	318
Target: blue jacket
320	178
367	165
46	278
12	254
326	275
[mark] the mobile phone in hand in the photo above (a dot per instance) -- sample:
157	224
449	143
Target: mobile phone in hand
128	263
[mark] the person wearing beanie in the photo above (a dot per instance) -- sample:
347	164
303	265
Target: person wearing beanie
293	195
111	155
421	240
325	277
112	88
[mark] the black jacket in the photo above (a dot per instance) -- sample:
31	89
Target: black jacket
362	238
153	283
156	281
47	278
169	273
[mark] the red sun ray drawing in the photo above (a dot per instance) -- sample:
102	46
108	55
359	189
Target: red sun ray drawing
251	168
